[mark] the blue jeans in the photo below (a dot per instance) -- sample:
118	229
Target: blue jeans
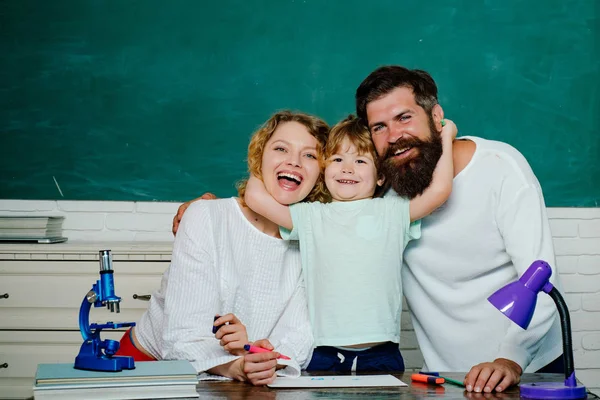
383	357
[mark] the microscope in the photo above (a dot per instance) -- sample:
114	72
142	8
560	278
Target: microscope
96	354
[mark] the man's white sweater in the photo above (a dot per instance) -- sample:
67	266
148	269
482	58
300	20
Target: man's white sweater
493	226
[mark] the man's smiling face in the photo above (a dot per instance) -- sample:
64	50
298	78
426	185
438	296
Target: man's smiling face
406	139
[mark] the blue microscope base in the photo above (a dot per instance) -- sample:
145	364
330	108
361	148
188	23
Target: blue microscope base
90	361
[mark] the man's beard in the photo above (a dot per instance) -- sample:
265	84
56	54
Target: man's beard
412	177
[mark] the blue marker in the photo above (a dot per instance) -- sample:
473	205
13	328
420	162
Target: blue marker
216	328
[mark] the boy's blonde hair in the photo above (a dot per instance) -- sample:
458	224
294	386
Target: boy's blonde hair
315	126
357	133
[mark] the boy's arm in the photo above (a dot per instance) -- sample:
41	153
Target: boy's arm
441	185
261	202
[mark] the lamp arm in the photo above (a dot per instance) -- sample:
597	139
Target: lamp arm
565	326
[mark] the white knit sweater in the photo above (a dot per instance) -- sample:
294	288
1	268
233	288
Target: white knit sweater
222	264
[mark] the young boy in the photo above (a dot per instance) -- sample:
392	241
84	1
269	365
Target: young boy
351	249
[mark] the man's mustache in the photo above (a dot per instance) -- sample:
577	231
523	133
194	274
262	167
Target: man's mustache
402	144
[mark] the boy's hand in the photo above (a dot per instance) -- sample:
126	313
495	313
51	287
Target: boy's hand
449	130
184	206
255	191
254	184
260	368
233	336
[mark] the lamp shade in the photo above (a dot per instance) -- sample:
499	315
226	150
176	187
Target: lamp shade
517	300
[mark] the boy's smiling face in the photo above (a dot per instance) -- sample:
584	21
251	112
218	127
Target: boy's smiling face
350	176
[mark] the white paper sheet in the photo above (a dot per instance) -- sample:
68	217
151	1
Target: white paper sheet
337	381
205	376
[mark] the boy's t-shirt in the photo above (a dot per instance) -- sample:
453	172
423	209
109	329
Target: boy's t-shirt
351	260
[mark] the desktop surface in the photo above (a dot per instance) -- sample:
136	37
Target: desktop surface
237	390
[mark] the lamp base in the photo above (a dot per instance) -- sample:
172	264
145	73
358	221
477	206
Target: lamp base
552	390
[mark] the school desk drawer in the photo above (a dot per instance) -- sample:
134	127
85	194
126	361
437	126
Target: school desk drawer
52	301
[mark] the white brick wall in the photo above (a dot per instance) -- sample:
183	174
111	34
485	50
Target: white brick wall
103	220
576	233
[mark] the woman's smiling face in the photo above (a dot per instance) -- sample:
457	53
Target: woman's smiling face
290	166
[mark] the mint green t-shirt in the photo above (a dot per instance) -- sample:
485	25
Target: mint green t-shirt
351	260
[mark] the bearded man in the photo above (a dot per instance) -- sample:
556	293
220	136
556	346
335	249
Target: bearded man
493	226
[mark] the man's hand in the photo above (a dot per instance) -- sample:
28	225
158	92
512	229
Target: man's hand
490	376
260	367
233	336
184	206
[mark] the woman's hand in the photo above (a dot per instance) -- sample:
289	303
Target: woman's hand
184	206
260	368
233	336
233	369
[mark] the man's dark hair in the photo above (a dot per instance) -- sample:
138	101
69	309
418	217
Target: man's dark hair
385	79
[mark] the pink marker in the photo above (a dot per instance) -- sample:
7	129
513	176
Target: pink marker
256	349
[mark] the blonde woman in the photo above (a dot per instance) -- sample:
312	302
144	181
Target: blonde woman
231	262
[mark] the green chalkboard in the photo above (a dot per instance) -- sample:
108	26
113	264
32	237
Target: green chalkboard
156	100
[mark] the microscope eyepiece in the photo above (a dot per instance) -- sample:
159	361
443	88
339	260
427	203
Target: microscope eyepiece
105	258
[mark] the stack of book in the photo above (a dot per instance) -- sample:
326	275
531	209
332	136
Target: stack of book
149	380
31	229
